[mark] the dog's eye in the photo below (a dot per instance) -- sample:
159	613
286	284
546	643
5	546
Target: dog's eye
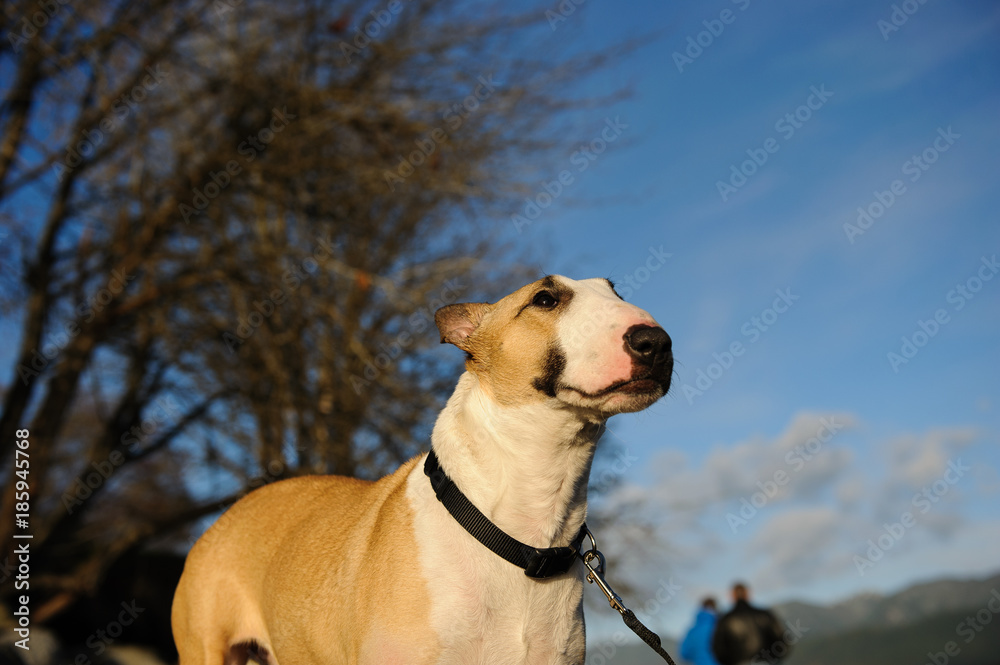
545	299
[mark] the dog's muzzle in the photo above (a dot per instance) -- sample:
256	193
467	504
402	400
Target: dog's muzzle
652	356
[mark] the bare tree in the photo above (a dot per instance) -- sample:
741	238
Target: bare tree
228	226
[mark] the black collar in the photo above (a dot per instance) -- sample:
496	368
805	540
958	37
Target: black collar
536	562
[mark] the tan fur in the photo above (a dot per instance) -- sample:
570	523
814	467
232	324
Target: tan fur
509	349
318	567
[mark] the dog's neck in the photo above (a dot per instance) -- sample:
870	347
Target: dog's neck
526	468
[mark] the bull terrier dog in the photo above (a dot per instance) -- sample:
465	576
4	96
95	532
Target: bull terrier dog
466	554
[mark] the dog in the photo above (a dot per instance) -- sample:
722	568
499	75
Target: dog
333	570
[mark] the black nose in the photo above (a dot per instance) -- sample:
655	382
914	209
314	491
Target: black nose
648	345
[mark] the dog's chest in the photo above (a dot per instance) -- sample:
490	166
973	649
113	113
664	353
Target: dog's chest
483	610
493	624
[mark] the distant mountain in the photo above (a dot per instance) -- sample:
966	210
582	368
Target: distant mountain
929	641
900	609
917	626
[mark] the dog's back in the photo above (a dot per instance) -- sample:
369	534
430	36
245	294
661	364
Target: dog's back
238	574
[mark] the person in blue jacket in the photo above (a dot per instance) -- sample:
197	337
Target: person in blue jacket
697	644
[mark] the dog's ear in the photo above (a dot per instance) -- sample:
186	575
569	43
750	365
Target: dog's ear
457	322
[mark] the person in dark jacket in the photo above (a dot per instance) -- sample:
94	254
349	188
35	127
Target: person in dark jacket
697	644
747	633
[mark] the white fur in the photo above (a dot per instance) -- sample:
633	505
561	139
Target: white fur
531	482
591	335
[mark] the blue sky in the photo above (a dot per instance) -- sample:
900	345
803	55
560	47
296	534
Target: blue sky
927	90
853	296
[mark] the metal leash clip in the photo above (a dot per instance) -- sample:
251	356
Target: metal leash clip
596	574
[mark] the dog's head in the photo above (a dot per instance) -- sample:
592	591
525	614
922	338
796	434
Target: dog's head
573	341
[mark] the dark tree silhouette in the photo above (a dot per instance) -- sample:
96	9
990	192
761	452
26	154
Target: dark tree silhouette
228	225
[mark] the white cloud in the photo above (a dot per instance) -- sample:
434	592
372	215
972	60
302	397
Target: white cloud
805	535
915	461
795	545
806	452
850	492
913	464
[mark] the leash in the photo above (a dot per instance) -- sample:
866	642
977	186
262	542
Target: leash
596	575
537	562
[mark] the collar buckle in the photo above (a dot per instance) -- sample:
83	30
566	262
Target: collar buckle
549	561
